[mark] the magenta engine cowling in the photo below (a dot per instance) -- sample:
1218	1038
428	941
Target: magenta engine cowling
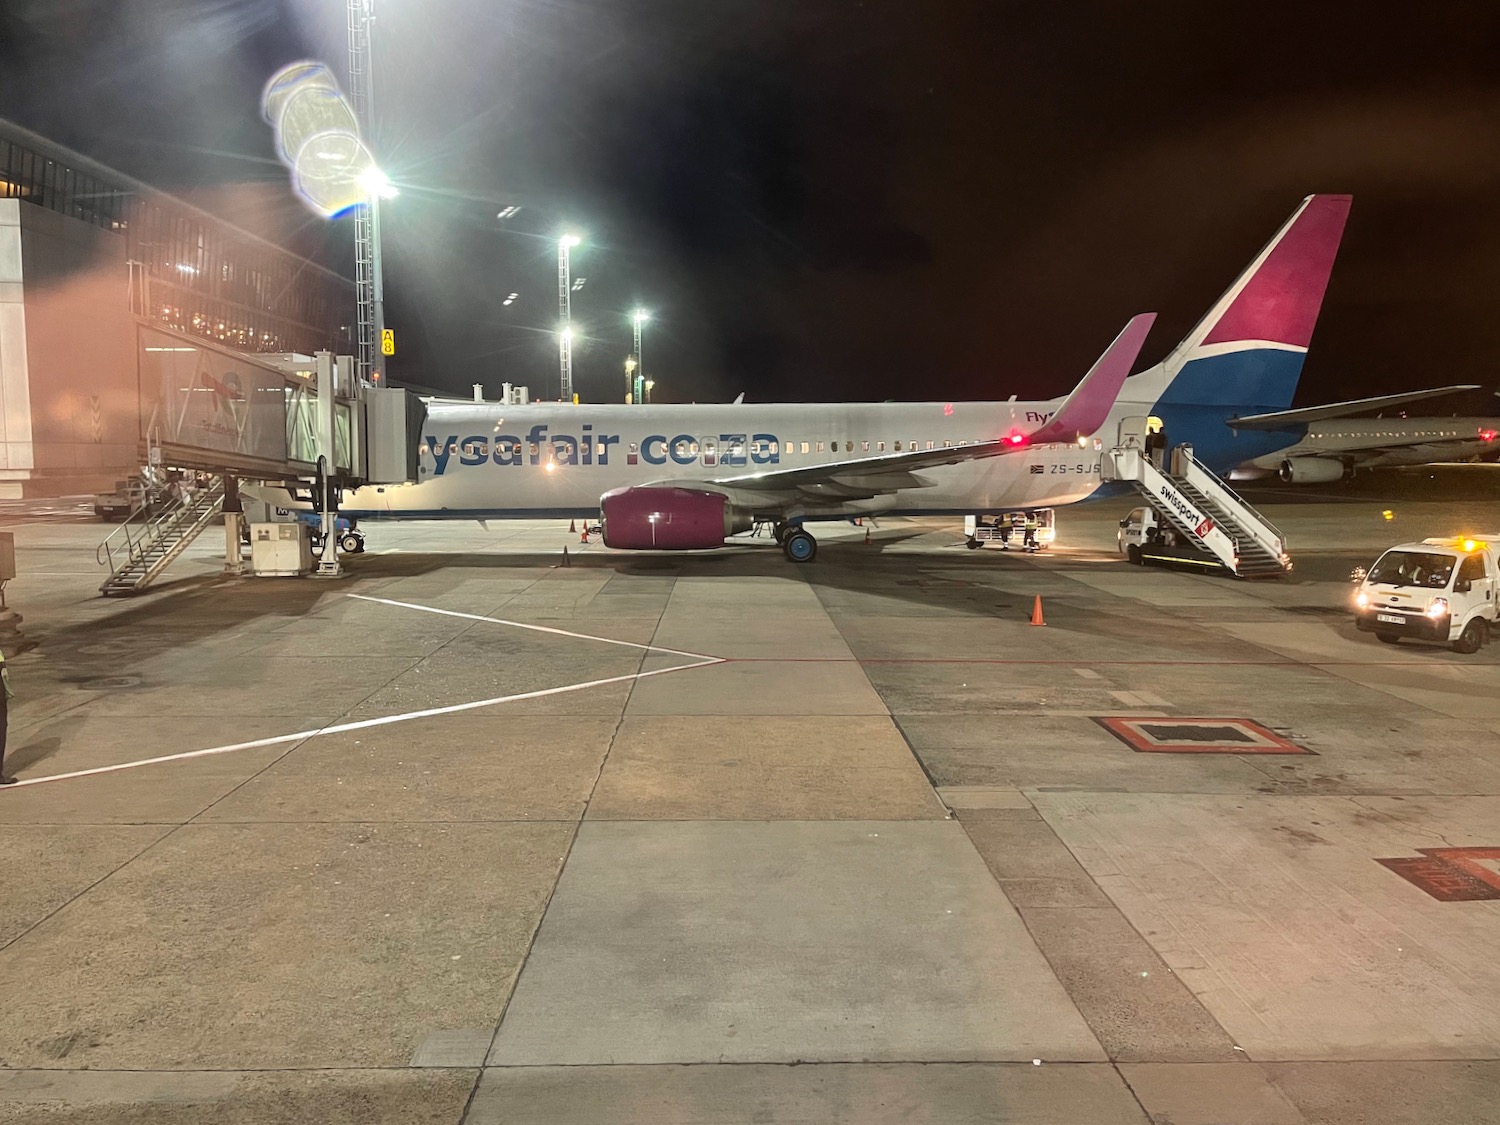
668	519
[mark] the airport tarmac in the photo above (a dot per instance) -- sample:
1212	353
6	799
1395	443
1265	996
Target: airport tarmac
471	836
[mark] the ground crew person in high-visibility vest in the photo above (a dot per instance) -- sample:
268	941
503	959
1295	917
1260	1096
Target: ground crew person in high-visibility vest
1032	523
5	778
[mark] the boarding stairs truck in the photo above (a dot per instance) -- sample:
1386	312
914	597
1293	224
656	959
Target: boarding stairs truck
1205	523
1442	591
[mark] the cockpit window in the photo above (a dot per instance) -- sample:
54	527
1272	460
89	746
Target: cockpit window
1413	568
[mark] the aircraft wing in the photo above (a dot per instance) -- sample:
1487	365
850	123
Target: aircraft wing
1081	413
1289	419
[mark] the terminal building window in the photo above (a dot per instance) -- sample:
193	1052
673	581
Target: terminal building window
191	271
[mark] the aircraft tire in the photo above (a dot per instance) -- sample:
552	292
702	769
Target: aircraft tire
799	546
778	532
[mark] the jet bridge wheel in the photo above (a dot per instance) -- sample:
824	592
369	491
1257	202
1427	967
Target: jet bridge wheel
799	546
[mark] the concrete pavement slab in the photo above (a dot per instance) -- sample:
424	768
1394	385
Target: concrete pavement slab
1335	640
1471	692
738	634
745	942
169	793
806	768
1130	998
328	1097
251	684
1043	752
47	866
245	947
870	1094
760	687
1391	1092
1276	915
471	766
1209	1094
444	681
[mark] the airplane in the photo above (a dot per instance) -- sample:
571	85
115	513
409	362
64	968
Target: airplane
1333	446
687	477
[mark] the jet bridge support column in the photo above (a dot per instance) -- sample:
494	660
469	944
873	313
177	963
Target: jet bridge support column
234	521
326	490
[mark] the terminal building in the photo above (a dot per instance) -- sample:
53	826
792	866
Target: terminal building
130	319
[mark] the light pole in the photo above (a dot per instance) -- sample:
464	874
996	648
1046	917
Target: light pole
565	308
638	319
369	275
629	379
649	384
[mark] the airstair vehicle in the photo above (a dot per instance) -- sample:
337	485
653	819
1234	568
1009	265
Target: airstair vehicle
1212	525
146	544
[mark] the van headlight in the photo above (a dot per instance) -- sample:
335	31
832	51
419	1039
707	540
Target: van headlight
1438	607
1362	599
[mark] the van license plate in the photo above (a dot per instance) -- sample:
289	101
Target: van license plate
1391	618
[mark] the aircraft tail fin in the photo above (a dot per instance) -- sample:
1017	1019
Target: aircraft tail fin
1247	351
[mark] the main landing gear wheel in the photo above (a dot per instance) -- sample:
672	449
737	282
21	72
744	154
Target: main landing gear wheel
1471	638
778	532
799	546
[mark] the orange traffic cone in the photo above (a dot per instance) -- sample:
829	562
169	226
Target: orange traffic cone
572	526
583	536
1036	611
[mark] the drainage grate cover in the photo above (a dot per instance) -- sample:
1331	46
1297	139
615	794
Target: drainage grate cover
1197	736
1451	874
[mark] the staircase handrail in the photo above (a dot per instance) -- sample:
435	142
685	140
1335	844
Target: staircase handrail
1193	464
144	528
1217	536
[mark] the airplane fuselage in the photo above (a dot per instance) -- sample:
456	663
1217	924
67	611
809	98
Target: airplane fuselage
1392	441
487	460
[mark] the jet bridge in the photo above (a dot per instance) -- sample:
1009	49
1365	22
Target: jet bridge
305	421
1211	524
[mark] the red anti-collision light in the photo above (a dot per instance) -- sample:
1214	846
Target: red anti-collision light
1017	439
1488	435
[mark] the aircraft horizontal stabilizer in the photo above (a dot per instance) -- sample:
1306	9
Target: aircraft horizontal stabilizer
1290	419
1086	409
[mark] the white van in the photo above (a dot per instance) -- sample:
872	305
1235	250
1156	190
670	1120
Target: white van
1135	529
1442	591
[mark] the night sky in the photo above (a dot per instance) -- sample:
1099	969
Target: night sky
837	200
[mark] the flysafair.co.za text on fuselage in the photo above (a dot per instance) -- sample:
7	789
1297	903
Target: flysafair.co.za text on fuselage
539	447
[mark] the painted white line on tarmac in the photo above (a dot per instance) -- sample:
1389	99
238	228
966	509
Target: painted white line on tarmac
537	628
363	724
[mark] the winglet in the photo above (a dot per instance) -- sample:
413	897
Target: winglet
1087	407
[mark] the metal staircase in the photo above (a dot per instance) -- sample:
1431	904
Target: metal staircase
1212	523
145	545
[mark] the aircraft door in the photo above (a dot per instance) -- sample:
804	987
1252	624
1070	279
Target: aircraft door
1133	431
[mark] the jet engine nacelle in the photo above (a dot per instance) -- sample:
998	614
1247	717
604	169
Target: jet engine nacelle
1311	470
668	519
